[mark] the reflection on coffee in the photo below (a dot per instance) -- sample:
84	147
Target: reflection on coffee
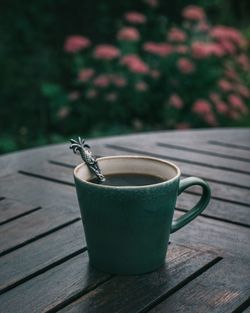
128	179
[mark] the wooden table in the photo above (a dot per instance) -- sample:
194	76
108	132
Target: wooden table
44	260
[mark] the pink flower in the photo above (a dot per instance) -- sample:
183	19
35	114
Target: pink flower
201	50
119	81
161	49
73	96
91	94
214	97
244	61
175	101
106	52
128	34
228	46
243	91
210	119
183	125
201	107
193	13
230	73
234	115
135	64
185	66
225	33
181	49
76	43
221	107
141	86
152	3
63	112
86	74
225	85
111	97
177	35
135	17
102	81
155	74
237	103
203	26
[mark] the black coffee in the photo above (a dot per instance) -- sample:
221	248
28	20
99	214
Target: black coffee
129	180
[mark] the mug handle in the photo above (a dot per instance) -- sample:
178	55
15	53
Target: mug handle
198	208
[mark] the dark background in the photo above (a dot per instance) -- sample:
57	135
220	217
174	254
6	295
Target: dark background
32	36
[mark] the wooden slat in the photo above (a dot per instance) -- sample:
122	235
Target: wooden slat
229	238
200	155
187	168
31	227
74	277
230	212
38	256
50	289
136	293
202	228
59	207
221	289
234	211
220	191
204	147
37	192
10	163
228	143
11	209
63	175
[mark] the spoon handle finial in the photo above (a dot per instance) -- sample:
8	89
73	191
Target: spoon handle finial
79	146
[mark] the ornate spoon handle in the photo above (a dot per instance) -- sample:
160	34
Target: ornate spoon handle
79	146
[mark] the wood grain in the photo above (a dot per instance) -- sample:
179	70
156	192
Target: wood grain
228	143
221	289
187	166
204	157
38	256
59	207
37	192
33	226
229	238
219	190
205	148
135	293
217	209
229	211
44	265
57	285
232	211
11	209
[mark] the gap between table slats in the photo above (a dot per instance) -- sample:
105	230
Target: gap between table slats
132	150
205	152
60	181
230	145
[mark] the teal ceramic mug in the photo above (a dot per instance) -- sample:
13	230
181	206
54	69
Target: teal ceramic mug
127	228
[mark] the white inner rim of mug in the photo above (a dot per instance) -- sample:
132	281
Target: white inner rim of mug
130	165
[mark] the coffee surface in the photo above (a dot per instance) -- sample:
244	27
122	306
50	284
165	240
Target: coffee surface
129	179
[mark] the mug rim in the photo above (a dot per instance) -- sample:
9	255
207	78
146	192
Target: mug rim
166	162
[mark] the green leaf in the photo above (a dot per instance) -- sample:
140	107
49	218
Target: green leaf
51	90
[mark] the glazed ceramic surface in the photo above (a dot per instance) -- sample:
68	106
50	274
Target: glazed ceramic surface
127	228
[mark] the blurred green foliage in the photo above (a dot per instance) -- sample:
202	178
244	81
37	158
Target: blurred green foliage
32	34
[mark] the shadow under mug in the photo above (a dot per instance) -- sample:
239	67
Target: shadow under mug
127	228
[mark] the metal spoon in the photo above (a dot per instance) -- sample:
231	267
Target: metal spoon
79	146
